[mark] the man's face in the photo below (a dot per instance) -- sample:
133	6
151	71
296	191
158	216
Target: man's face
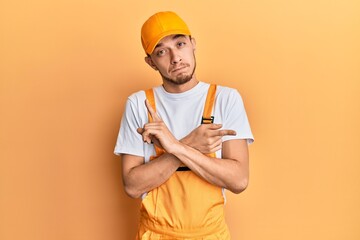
174	58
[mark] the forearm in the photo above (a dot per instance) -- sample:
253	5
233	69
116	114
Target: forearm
145	177
228	173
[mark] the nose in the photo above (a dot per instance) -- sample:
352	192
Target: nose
175	57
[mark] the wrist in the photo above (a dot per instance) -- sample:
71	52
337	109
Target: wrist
173	158
185	141
176	147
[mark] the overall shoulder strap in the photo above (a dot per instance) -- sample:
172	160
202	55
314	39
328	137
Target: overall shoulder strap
207	118
209	104
151	98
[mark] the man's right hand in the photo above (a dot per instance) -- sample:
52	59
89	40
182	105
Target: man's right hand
207	138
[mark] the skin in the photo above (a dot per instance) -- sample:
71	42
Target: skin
174	58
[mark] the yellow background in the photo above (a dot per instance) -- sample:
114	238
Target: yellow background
68	66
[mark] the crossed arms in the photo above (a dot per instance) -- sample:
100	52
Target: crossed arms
230	172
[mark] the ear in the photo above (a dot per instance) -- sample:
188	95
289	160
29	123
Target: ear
193	42
149	61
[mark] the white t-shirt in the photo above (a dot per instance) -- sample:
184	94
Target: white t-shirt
182	113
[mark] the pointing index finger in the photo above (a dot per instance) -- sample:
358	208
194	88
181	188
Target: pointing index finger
152	112
227	132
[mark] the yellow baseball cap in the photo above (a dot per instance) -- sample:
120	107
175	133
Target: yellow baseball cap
160	25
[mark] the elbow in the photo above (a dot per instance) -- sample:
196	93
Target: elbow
131	192
240	186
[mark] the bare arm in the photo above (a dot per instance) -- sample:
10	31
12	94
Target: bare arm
230	172
139	178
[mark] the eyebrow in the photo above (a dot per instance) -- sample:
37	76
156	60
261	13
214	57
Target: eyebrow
173	38
178	36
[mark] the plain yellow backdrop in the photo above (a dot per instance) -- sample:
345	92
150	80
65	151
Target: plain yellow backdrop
67	67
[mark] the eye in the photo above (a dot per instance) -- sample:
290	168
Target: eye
181	44
161	52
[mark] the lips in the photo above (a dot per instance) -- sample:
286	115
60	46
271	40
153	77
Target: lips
178	68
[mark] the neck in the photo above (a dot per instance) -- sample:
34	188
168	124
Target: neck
176	88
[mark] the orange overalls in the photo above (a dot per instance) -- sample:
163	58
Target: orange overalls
185	206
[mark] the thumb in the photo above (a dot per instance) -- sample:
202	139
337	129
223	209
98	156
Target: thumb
140	130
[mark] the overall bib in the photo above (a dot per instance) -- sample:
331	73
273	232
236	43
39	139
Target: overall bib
185	206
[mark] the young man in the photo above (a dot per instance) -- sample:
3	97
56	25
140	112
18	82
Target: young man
182	143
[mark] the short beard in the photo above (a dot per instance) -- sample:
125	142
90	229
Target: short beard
180	80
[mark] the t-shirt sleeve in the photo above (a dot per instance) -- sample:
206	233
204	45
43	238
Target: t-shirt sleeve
235	118
129	141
